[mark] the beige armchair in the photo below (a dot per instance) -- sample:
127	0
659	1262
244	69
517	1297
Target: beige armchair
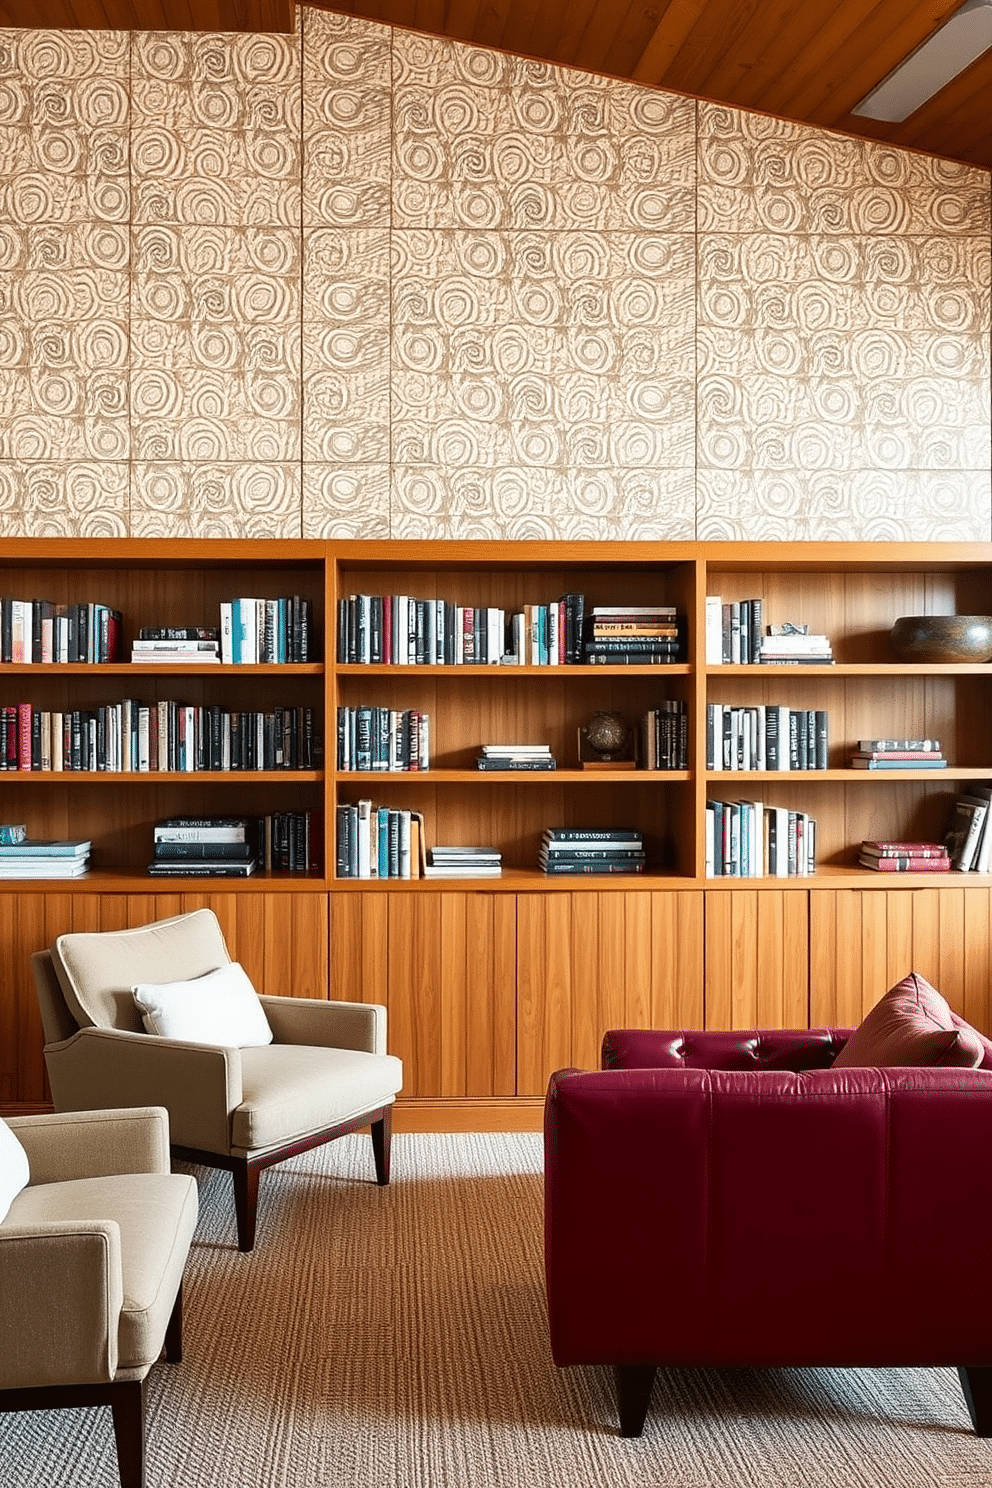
92	1253
325	1073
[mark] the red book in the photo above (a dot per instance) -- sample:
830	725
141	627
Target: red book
905	849
897	754
24	712
906	864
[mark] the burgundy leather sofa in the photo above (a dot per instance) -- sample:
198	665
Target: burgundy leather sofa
727	1199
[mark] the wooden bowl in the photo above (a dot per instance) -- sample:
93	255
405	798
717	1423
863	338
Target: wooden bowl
942	638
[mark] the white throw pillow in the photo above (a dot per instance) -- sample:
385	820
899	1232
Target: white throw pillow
220	1008
14	1170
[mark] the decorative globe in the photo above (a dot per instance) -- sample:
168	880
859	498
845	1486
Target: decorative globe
607	734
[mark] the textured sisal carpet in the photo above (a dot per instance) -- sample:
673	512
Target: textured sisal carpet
398	1338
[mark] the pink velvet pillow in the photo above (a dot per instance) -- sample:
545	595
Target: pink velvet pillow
912	1025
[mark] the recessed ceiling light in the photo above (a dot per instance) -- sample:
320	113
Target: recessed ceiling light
962	38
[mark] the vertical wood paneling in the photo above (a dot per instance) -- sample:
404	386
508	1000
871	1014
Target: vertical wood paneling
359	942
719	961
544	988
451	1031
757	959
490	982
976	1002
677	961
414	995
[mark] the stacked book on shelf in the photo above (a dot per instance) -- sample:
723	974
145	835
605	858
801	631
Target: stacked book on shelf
383	739
516	757
233	847
463	862
269	631
898	754
766	737
401	630
747	839
665	737
20	857
793	645
904	857
632	635
132	735
591	850
968	838
191	645
379	842
36	630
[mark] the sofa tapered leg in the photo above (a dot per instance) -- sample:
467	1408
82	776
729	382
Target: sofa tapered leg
127	1404
174	1332
977	1386
634	1383
246	1176
382	1138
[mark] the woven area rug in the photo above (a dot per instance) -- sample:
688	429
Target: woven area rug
398	1337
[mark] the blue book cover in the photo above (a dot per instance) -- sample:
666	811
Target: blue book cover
41	849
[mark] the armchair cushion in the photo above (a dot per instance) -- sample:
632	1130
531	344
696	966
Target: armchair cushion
221	1008
911	1026
155	1214
97	969
15	1171
292	1089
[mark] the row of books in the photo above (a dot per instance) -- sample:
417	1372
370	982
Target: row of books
516	757
747	839
270	631
735	635
25	858
590	850
767	737
233	847
968	838
137	736
665	737
379	842
401	630
383	739
904	857
36	630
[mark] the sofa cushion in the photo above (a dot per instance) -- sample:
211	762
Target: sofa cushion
911	1025
221	1008
14	1169
290	1090
156	1215
97	969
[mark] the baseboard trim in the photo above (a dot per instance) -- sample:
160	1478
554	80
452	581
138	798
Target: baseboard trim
510	1114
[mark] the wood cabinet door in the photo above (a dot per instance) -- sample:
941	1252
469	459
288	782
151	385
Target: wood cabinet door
861	942
444	965
757	958
588	962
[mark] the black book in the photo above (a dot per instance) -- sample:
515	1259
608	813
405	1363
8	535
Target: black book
591	834
178	633
569	865
597	657
822	750
495	762
203	868
345	815
180	851
616	853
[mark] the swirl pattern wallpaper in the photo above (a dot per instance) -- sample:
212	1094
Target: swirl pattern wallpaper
359	282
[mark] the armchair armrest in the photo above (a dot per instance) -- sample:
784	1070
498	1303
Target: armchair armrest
199	1085
94	1145
61	1295
327	1025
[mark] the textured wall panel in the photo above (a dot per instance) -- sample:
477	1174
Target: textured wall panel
358	282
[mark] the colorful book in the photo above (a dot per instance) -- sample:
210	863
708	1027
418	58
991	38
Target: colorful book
860	762
11	834
903	864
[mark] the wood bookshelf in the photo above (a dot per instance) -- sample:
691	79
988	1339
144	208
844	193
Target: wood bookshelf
491	983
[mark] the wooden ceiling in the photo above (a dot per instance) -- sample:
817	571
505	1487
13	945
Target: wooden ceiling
809	60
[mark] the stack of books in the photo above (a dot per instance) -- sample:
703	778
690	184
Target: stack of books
792	645
191	645
203	847
904	857
20	857
591	850
898	754
516	757
968	839
463	862
632	635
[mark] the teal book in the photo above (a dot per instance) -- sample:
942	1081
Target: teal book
28	848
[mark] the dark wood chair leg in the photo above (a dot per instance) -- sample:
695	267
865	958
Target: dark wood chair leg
174	1332
382	1140
245	1176
127	1403
634	1383
977	1386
